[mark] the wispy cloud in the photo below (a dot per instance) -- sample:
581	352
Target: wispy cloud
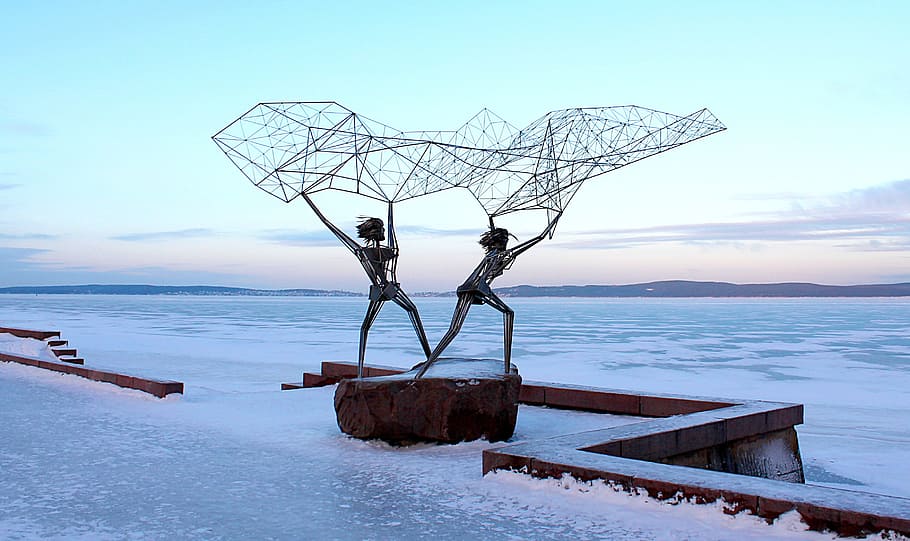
433	232
299	238
892	197
167	276
326	238
26	236
782	196
794	229
20	127
154	236
16	269
15	262
8	186
10	254
872	219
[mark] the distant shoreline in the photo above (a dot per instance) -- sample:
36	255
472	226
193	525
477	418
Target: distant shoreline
660	289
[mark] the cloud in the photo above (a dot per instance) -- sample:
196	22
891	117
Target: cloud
783	229
19	127
8	186
872	219
154	236
14	262
432	232
25	274
786	196
891	197
895	278
164	276
876	245
27	236
888	197
9	254
18	268
300	238
326	238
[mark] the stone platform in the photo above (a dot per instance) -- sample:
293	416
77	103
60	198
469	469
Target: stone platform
456	400
696	448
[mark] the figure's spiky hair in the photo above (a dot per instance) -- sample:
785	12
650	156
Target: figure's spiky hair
495	239
371	229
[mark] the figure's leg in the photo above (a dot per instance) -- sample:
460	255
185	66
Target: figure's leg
458	317
368	319
508	319
402	300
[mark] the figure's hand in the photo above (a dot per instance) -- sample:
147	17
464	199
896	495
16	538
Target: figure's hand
550	230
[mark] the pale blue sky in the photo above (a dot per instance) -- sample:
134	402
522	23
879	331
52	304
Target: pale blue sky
108	173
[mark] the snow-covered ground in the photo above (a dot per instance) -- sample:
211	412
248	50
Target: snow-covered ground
234	458
28	347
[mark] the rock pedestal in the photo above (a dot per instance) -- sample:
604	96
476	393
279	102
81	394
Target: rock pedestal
456	400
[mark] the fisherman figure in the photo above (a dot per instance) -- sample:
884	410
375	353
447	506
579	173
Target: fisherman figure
380	263
477	288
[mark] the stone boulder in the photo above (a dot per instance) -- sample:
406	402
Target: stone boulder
456	400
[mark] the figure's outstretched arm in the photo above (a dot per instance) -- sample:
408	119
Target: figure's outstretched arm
524	246
348	241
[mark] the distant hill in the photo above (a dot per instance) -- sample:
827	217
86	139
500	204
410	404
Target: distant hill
684	288
99	289
671	288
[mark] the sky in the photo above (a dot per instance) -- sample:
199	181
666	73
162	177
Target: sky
108	173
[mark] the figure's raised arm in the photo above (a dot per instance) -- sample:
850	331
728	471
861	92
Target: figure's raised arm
524	246
393	245
348	241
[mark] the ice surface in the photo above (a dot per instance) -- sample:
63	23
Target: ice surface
234	458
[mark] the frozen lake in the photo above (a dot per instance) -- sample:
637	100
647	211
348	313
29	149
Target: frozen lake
234	458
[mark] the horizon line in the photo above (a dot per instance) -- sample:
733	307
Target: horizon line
339	290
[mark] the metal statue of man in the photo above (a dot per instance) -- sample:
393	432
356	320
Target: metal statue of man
380	263
477	289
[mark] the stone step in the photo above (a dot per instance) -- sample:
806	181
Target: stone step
310	380
67	361
27	333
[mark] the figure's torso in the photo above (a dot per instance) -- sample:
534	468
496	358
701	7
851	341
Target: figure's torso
491	267
376	261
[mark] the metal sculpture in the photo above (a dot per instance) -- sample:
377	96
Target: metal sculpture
477	289
294	149
541	169
380	263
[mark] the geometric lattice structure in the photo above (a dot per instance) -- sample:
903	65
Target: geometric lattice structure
289	148
546	162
